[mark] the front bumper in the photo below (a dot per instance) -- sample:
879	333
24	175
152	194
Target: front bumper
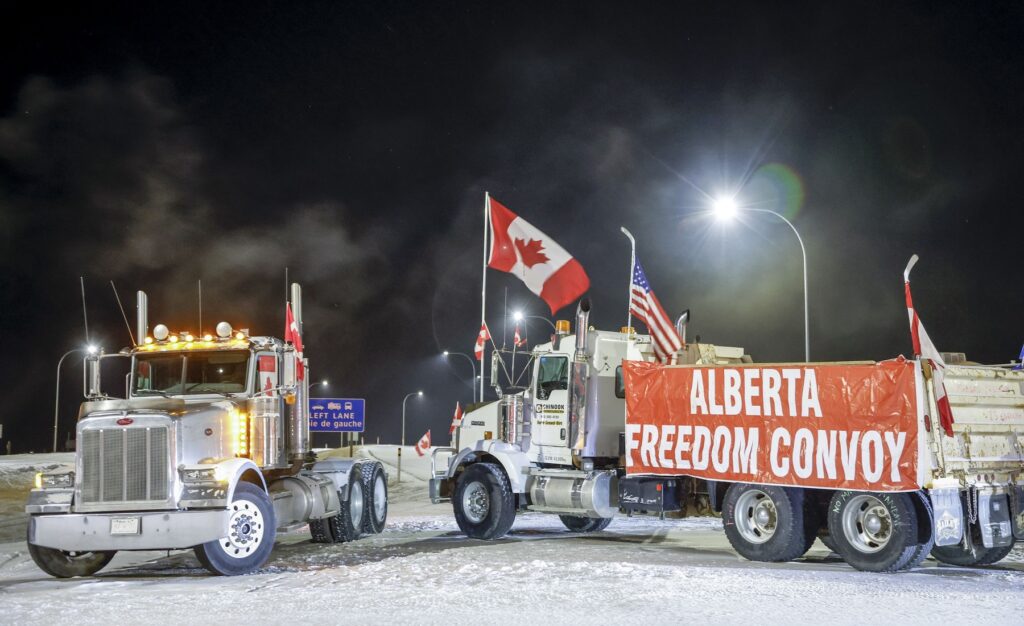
160	530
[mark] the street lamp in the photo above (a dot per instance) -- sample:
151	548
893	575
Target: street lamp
725	208
322	382
446	353
56	402
407	396
518	316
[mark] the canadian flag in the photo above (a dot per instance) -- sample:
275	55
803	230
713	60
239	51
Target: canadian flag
423	445
517	339
924	348
519	248
292	336
484	336
456	419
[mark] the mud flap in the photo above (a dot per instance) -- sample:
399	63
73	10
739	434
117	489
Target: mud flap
949	515
994	520
1017	510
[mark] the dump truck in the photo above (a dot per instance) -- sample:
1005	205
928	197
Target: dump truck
209	450
786	453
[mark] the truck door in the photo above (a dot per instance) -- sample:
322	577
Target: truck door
551	393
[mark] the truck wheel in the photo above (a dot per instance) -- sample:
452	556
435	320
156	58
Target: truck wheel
874	532
347	525
484	504
375	486
579	524
975	554
828	543
925	529
249	536
62	564
763	522
994	555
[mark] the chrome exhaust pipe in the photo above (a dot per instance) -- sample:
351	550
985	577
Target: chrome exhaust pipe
141	317
681	324
580	376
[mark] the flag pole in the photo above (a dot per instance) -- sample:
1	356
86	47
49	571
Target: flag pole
483	292
632	264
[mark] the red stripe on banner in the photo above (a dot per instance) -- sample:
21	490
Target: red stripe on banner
565	285
503	254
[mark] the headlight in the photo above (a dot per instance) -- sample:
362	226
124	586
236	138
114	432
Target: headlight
65	480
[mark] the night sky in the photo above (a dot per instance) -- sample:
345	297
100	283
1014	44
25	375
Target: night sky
353	143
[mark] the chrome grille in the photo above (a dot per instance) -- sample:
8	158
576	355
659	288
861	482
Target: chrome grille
124	465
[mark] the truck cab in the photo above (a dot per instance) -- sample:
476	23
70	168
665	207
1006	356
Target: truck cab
210	450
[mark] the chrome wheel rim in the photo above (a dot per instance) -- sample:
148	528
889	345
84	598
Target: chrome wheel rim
476	502
380	497
245	529
355	503
867	523
756	516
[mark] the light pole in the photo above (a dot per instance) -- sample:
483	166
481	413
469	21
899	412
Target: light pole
56	402
446	353
726	209
407	396
322	382
518	316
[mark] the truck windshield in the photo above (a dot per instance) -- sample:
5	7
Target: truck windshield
190	373
552	374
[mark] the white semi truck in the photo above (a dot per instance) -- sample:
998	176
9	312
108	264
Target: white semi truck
766	450
209	450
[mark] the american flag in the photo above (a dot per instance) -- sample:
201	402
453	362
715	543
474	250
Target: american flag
644	305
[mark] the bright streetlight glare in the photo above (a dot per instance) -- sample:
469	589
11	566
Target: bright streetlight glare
419	393
445	353
724	208
518	316
91	349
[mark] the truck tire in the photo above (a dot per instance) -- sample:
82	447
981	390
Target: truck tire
874	532
249	536
974	555
994	555
764	522
320	531
63	564
485	507
348	524
925	529
579	524
375	486
826	540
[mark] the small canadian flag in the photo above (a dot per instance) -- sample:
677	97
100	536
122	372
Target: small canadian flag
485	335
423	445
456	419
518	339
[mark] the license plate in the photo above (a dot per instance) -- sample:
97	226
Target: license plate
125	525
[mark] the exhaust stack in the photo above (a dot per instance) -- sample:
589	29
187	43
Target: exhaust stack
298	411
580	375
681	323
141	317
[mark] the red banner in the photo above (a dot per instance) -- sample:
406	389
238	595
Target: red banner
835	426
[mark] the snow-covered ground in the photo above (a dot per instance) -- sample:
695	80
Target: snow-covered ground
423	570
